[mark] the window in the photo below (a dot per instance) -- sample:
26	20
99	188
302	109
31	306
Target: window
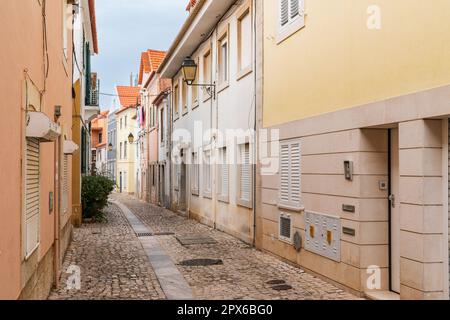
176	102
245	179
125	150
291	17
194	91
126	121
32	196
223	176
223	60
176	177
100	138
153	175
195	190
121	150
125	181
290	175
121	124
207	175
245	42
206	73
184	97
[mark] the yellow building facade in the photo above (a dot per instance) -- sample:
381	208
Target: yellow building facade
357	94
126	151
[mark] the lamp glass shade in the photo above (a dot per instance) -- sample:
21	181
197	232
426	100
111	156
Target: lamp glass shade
189	68
131	138
110	147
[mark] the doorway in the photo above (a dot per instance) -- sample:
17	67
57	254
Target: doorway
394	211
120	183
182	204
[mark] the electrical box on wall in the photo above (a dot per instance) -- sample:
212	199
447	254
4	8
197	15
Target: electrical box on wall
323	235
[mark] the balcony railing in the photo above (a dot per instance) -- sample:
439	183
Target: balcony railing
93	90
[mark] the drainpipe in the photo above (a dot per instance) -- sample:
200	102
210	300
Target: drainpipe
256	142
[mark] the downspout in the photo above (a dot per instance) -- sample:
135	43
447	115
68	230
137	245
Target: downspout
256	142
169	143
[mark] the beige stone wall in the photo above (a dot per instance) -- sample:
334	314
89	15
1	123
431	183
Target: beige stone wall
325	190
421	197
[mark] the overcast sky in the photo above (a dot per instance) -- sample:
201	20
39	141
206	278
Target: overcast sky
125	29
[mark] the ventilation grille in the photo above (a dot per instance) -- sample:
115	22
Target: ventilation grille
285	227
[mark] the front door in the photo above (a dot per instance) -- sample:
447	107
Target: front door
394	205
183	187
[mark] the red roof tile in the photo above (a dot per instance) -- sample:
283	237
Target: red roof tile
191	4
150	62
128	96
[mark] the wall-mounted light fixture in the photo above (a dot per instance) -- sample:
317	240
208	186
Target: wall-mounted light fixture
110	147
131	138
189	68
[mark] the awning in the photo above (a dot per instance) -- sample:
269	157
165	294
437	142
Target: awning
70	147
41	127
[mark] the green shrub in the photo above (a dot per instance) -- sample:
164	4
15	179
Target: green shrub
94	193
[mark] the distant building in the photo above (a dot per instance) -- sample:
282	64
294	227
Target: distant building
99	144
112	145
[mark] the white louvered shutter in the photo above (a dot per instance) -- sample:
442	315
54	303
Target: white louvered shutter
32	195
290	174
294	8
245	173
65	185
225	173
207	173
284	12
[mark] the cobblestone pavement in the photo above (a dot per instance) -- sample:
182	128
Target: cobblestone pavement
112	261
245	270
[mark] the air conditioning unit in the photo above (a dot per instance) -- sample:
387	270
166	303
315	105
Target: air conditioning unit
40	126
285	224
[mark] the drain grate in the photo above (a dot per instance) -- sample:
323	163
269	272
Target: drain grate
145	234
282	287
201	262
274	282
164	234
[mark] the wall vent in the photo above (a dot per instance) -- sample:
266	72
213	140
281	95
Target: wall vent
285	227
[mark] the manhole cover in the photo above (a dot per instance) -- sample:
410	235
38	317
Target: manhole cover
201	262
140	235
273	282
193	239
282	287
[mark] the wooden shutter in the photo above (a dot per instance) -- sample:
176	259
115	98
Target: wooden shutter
284	12
290	174
32	196
246	176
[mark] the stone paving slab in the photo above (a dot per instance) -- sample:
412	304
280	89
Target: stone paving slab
245	272
195	239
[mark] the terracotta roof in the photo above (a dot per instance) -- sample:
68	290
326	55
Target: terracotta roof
150	62
93	24
191	4
128	96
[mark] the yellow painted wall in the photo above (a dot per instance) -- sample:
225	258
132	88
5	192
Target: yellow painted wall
126	165
336	62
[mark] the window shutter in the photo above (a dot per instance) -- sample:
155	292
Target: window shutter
290	174
65	186
225	173
284	12
32	195
245	173
294	8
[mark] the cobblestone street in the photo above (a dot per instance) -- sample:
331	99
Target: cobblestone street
114	265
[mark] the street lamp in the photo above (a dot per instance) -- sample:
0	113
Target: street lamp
131	138
189	68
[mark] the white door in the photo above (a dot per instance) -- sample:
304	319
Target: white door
395	213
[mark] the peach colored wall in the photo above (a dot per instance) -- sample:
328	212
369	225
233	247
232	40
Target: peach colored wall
23	49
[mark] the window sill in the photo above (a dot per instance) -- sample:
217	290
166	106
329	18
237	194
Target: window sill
243	73
195	104
223	86
245	203
176	118
289	30
185	112
291	208
223	199
206	97
195	193
207	196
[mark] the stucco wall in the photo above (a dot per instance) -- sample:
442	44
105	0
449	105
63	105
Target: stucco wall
336	62
24	51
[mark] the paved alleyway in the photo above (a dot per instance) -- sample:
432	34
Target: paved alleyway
114	265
